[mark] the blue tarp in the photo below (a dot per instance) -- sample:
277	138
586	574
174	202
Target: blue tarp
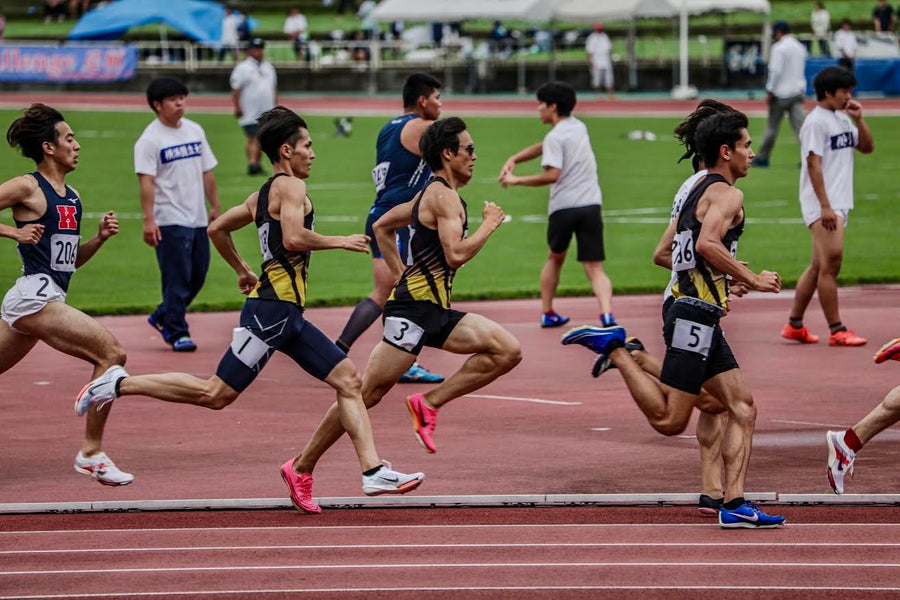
198	19
872	74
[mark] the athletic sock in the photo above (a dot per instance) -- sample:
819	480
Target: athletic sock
733	504
372	471
364	314
796	323
607	320
852	440
835	327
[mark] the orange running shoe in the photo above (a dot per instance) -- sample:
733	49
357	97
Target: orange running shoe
801	335
890	351
846	338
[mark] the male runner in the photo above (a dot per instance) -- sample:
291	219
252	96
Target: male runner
272	317
697	354
48	231
399	174
418	312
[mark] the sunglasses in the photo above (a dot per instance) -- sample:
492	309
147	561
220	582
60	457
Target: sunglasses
470	148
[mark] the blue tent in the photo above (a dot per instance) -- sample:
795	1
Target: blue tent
198	19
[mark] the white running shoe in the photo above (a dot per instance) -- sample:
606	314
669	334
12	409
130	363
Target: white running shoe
102	468
388	481
100	391
840	460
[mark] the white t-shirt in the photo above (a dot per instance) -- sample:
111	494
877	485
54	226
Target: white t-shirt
845	43
295	26
832	135
787	65
599	47
256	82
567	147
680	196
230	29
177	157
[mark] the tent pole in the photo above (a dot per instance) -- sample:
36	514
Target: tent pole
632	55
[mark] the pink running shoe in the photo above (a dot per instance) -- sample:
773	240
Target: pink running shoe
300	489
890	351
846	337
801	334
424	420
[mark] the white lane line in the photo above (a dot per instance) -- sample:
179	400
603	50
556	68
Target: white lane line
601	428
829	425
521	399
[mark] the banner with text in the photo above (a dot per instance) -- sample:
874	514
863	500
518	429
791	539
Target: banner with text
67	64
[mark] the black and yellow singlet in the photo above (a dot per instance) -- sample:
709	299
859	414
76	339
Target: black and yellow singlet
284	271
429	278
695	276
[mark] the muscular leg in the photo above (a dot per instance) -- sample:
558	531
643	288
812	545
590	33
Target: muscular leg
13	346
181	388
600	284
550	278
806	287
882	416
829	249
368	310
252	149
732	390
653	366
710	430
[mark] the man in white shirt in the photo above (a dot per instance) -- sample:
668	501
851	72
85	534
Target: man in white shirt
174	165
254	90
598	49
831	132
230	37
570	169
295	26
845	43
821	27
785	86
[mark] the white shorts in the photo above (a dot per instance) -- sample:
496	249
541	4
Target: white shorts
811	214
602	75
28	295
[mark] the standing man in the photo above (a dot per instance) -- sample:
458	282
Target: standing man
697	354
598	49
272	317
570	170
174	164
846	45
785	87
254	90
820	21
400	173
883	17
843	446
295	26
48	215
418	312
830	134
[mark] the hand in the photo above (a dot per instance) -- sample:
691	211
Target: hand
768	281
854	110
738	288
770	98
238	113
492	215
109	226
30	234
214	213
357	242
829	219
247	281
508	179
508	167
152	234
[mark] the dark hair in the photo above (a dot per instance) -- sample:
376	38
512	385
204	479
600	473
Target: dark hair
278	126
559	93
685	131
443	133
164	87
781	26
722	129
36	126
833	78
418	84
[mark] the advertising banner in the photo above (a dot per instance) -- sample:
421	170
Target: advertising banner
67	64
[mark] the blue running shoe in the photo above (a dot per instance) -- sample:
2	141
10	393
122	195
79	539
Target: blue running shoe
594	338
163	331
184	344
553	319
419	374
748	516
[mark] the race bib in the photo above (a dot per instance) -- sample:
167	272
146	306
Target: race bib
36	287
248	348
683	257
402	332
379	175
63	252
263	233
692	337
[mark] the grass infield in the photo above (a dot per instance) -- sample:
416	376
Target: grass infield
638	179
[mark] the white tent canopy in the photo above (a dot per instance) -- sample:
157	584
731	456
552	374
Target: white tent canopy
462	10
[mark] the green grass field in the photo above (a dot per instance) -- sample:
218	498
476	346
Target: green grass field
638	180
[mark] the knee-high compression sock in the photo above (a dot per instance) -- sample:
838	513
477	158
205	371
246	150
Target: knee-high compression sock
365	313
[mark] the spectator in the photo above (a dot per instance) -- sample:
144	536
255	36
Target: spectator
2	27
78	8
368	26
437	34
884	17
54	9
254	90
785	87
230	38
845	44
598	49
821	27
344	4
499	39
295	26
174	165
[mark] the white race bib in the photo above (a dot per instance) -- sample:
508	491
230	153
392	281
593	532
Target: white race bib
64	252
379	175
248	348
402	332
683	256
693	337
263	233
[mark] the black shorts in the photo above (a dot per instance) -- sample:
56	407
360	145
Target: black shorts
402	236
586	222
410	325
269	325
250	130
696	349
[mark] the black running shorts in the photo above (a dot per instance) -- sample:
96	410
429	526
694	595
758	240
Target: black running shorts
410	325
586	223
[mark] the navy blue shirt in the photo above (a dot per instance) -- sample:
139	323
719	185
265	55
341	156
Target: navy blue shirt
399	174
55	254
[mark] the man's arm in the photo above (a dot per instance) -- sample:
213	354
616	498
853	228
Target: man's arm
817	178
292	195
724	206
866	143
211	190
109	226
548	176
662	255
29	234
147	184
219	232
412	133
385	229
458	251
526	154
236	101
